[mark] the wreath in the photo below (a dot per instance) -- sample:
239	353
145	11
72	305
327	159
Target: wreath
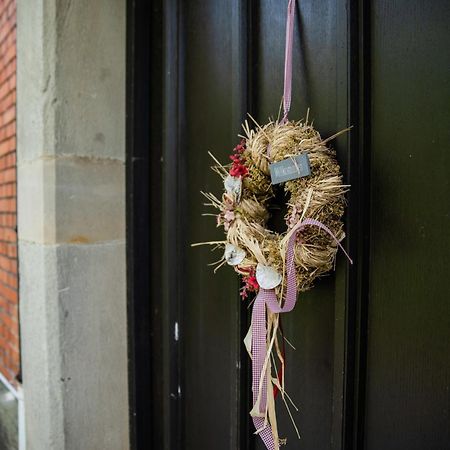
257	252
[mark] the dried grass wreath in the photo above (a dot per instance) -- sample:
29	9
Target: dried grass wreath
244	206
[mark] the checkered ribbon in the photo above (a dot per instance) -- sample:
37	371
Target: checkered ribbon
268	297
288	60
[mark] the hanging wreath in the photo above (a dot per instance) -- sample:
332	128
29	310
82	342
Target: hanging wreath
251	247
289	155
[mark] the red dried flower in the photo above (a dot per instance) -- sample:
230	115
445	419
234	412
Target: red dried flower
238	168
250	284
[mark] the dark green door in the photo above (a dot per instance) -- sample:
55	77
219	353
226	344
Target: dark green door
408	363
372	365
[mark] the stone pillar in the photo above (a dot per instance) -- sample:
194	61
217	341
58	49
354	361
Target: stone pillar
71	222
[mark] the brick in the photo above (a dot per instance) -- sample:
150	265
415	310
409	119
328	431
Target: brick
12	282
6	128
8	322
8	100
6	190
13	267
8	204
12	11
7	70
11	204
12	223
8	55
8	235
7	176
13	328
12	253
9	294
3	279
7	85
7	115
12	309
9	325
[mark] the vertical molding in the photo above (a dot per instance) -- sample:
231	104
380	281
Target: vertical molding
173	218
351	334
342	330
351	308
240	390
360	110
253	15
139	140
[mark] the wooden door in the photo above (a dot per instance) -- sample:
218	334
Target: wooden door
408	363
371	369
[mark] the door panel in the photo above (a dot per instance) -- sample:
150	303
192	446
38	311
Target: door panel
211	305
214	93
409	309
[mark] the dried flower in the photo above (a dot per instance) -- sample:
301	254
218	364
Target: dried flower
249	283
238	168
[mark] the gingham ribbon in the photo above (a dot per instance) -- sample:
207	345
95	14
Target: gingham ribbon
268	297
287	91
288	60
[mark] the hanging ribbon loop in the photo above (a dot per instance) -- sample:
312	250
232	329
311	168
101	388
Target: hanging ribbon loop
287	94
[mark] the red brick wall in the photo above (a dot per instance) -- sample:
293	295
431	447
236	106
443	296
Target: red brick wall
9	323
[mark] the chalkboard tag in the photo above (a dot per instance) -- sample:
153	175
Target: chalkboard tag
290	169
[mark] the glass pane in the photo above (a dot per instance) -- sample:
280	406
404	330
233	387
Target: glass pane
8	419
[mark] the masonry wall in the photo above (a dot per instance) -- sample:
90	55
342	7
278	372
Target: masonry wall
9	325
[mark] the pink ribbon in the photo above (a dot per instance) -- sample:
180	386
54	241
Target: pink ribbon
288	60
268	297
287	94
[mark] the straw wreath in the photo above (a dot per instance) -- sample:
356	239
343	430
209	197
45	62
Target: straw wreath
244	206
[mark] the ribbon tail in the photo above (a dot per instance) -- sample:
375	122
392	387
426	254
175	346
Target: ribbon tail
267	300
260	380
